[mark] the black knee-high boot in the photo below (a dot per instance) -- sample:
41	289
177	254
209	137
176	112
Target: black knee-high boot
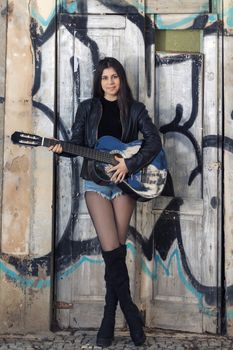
118	278
105	333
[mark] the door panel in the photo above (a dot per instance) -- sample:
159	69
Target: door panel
183	227
178	106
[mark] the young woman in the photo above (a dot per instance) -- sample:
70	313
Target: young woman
113	111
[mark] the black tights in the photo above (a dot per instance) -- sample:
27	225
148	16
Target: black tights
110	218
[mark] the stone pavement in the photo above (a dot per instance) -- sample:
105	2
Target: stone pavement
85	340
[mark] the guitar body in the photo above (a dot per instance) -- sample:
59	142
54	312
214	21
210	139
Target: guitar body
143	185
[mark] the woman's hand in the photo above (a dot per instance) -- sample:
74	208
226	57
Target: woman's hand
56	148
119	171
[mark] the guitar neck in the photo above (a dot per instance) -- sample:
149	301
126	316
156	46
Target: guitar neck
85	152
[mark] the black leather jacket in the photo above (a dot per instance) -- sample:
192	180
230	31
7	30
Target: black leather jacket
85	129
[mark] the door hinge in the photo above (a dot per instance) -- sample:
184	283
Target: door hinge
63	305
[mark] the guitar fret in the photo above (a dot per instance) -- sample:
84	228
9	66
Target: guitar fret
85	152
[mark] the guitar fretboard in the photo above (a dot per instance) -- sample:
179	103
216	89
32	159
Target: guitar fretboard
85	152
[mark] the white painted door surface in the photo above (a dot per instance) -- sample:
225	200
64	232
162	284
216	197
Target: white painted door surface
180	275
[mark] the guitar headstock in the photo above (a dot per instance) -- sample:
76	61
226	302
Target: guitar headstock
25	139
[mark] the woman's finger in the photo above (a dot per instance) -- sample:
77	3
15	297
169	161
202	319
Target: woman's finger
56	148
118	176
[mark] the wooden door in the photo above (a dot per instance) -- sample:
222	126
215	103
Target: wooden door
180	282
174	241
79	267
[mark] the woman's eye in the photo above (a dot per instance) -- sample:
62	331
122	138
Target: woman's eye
114	77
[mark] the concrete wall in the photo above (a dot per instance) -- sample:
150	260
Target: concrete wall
26	230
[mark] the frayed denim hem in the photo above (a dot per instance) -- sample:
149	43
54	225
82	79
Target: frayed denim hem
103	195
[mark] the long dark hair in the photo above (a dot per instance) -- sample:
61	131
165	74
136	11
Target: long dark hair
125	96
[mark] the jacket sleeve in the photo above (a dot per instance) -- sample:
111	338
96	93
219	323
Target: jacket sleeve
151	144
78	129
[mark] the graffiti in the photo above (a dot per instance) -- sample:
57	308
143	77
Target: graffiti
174	125
166	268
206	22
217	141
228	13
38	283
70	254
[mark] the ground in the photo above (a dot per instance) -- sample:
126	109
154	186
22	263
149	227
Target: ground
85	340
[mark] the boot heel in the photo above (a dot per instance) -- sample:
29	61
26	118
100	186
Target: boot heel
139	336
135	322
104	342
140	341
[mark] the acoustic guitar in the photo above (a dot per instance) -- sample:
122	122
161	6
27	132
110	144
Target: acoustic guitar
144	185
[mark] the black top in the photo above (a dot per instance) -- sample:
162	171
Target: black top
110	123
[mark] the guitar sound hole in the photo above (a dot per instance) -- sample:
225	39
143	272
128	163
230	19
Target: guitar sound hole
101	170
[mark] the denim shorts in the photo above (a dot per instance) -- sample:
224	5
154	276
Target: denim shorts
109	192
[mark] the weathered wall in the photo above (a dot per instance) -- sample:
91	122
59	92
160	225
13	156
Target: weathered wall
3	17
27	179
190	269
2	88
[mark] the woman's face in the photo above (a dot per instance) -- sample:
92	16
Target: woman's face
110	83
